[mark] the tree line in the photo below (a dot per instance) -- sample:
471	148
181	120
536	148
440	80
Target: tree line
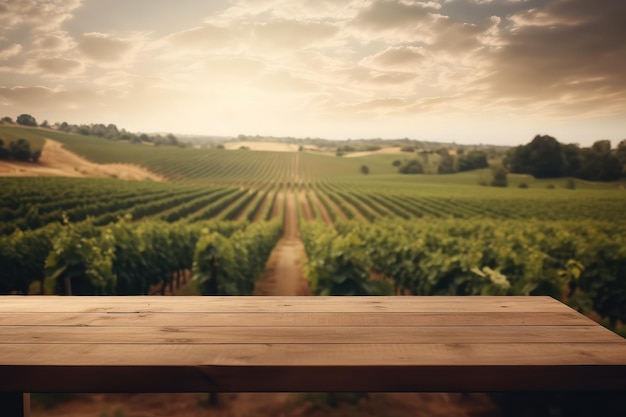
545	157
19	151
108	131
442	161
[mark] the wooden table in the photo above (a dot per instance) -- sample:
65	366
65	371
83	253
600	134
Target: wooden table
260	344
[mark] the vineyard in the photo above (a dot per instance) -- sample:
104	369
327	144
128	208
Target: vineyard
220	213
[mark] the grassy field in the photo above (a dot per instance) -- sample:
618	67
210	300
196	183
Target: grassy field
341	177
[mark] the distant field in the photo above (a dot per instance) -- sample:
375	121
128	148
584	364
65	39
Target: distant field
340	184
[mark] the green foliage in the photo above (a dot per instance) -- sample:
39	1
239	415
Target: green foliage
231	266
446	164
81	261
545	157
26	120
5	153
499	175
338	265
22	258
412	166
19	150
478	257
473	160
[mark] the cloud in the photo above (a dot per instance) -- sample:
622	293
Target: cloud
293	34
58	66
104	48
568	50
381	15
53	41
397	57
200	38
11	51
361	77
25	96
271	36
39	16
304	10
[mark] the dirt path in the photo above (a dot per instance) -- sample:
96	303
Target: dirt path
307	212
57	161
337	209
278	204
261	210
283	272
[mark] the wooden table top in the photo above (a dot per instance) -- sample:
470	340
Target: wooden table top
257	344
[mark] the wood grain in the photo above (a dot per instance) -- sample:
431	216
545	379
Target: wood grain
199	344
305	335
389	319
48	304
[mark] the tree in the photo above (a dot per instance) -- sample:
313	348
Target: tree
20	150
45	124
365	169
111	131
599	164
6	121
446	164
573	159
542	158
499	177
4	152
546	157
473	160
35	155
620	154
412	166
26	120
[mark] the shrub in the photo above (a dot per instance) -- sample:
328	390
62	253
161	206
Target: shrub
412	166
499	177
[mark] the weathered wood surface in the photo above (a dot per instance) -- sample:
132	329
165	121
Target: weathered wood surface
200	344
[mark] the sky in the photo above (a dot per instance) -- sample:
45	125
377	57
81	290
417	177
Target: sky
464	71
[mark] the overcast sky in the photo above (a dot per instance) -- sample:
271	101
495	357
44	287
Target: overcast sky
470	71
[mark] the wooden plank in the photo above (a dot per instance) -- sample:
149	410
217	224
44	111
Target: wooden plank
151	304
14	404
306	335
187	344
373	354
569	318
